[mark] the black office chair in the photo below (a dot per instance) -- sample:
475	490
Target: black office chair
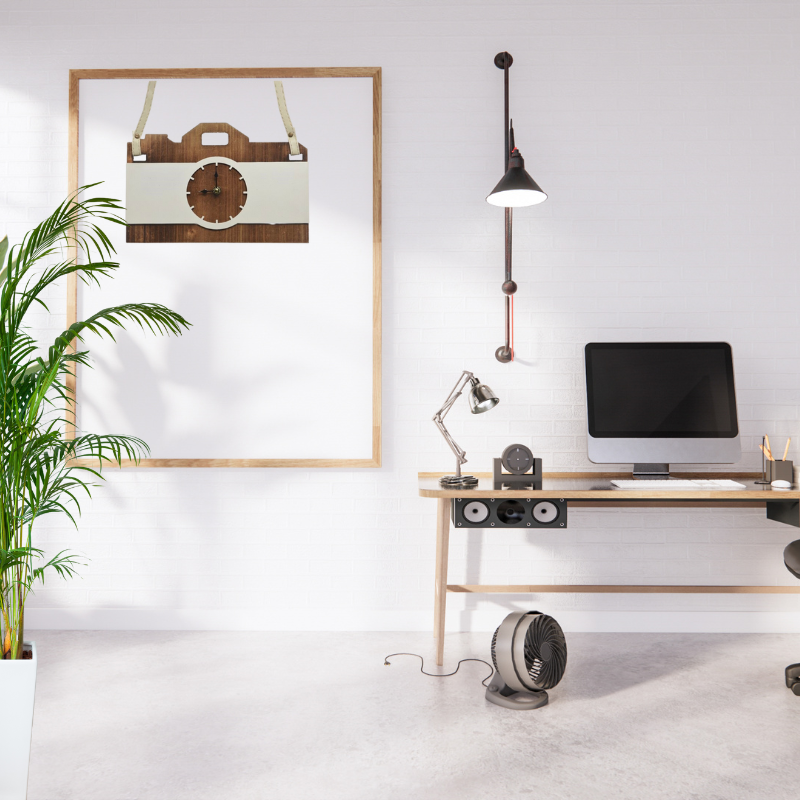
791	557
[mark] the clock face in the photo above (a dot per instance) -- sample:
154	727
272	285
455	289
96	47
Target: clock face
216	192
517	459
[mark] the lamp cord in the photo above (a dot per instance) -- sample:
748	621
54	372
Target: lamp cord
386	663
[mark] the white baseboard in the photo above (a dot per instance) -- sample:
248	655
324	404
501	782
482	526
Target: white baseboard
393	620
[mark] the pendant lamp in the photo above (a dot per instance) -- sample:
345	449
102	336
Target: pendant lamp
516	189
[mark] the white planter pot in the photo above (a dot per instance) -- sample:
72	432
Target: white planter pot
17	689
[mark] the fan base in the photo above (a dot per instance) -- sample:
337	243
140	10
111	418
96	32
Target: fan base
793	678
498	693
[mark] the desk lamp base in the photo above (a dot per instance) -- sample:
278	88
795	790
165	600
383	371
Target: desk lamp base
458	481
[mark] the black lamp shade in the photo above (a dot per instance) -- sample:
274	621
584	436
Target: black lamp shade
516	189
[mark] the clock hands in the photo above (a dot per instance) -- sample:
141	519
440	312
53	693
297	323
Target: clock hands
216	191
229	192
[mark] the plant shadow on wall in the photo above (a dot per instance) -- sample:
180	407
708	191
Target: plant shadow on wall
44	469
170	398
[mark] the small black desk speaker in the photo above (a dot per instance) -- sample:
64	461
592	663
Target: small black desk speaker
491	512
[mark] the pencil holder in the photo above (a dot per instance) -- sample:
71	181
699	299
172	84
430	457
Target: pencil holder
780	471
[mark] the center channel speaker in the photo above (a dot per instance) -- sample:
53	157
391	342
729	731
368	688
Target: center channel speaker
494	512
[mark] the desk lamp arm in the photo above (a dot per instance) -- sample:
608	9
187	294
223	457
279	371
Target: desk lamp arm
465	378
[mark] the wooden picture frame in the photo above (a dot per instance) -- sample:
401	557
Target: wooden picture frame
374	73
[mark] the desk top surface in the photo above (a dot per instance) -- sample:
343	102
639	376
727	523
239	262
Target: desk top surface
597	486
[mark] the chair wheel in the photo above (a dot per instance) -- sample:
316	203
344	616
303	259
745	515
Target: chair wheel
796	688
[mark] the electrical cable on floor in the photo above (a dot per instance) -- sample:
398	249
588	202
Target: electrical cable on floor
444	674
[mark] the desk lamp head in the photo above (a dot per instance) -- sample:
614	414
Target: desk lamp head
481	397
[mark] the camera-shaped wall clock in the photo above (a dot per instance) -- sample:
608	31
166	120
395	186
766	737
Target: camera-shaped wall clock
240	191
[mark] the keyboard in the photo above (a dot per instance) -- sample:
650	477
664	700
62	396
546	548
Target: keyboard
679	485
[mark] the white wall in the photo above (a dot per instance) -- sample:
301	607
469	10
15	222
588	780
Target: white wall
665	134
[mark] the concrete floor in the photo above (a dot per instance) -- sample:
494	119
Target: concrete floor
316	716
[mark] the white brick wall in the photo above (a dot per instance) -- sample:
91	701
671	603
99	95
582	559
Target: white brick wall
666	136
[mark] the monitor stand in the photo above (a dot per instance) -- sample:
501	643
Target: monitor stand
651	471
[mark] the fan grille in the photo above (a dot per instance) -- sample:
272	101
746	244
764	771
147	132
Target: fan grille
545	652
494	649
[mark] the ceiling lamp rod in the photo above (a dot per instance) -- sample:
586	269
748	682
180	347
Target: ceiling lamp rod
515	189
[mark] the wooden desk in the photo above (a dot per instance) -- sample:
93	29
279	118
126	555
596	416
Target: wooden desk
594	490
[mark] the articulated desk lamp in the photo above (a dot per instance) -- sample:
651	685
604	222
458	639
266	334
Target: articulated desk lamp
515	190
481	398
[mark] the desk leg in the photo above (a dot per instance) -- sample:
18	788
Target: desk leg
442	548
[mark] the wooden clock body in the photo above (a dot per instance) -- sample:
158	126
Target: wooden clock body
158	148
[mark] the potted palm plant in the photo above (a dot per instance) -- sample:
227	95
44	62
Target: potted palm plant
40	470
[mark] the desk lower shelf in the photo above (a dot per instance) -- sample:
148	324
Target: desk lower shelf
594	490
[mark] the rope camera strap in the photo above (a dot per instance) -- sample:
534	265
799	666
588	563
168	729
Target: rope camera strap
136	145
294	147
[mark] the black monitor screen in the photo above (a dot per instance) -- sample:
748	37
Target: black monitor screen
661	390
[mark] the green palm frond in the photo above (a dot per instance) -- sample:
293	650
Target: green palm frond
41	470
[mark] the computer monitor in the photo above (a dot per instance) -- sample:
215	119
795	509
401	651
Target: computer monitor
652	403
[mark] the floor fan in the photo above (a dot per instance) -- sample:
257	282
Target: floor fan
529	653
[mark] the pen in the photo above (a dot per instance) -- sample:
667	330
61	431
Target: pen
786	451
769	449
767	455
